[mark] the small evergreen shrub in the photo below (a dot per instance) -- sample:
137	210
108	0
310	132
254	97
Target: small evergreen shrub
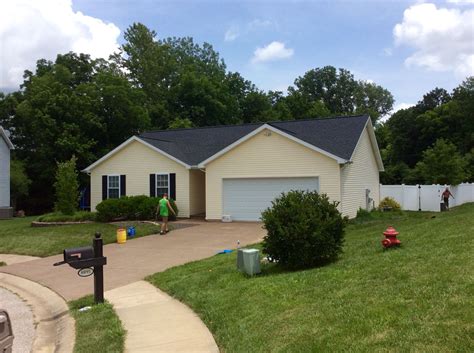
139	207
67	187
390	203
362	213
304	230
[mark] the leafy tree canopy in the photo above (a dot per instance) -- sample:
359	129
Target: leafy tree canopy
439	119
442	164
340	93
73	106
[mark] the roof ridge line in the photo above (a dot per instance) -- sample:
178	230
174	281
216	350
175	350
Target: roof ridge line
258	123
205	127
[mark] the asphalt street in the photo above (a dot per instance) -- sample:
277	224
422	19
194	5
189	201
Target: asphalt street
21	318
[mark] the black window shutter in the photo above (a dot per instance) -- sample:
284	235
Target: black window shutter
173	186
123	185
152	185
104	187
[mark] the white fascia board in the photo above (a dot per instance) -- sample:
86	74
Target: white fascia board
6	138
375	145
125	144
373	140
278	131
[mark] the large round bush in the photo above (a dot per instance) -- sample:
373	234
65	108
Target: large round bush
304	229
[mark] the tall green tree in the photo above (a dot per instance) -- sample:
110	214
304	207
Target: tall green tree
73	106
442	164
339	92
67	187
181	79
438	115
372	99
19	181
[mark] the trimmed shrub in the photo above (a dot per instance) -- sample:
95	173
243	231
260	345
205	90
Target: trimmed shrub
304	230
390	203
131	208
79	216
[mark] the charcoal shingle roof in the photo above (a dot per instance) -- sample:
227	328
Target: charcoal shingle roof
337	135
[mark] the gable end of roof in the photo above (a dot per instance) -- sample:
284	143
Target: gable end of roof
373	142
276	130
125	144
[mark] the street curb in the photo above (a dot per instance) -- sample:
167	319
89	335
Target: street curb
55	328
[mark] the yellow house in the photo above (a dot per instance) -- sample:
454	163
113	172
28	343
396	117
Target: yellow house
236	171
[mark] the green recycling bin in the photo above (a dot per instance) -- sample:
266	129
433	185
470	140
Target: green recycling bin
248	261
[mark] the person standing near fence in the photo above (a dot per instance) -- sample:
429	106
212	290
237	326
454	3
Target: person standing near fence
445	195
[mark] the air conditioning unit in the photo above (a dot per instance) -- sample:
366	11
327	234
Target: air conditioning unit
226	218
248	261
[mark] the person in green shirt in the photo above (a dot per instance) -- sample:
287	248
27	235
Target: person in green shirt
164	207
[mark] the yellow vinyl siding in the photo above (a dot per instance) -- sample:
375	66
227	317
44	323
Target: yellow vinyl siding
269	156
197	194
137	162
361	174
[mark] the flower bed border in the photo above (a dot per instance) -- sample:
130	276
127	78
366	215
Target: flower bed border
52	224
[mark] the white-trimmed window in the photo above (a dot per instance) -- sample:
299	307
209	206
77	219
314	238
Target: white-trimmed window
162	184
113	186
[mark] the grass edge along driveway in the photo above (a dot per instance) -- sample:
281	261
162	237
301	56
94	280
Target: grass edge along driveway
415	298
18	237
98	329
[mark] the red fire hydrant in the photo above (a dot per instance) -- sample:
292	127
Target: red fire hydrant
390	238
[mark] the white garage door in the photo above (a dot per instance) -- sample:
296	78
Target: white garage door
245	199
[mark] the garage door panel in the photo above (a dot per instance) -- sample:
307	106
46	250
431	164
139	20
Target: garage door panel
245	199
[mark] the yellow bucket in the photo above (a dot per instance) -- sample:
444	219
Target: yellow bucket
121	236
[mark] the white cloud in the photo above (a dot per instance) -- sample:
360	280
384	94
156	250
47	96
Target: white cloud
258	23
231	34
396	108
400	106
32	30
273	51
236	31
461	2
443	39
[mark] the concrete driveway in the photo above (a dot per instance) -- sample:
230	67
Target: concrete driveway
141	257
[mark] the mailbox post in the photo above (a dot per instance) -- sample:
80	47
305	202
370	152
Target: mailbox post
98	245
86	257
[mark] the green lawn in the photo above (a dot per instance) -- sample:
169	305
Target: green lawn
418	298
18	237
98	329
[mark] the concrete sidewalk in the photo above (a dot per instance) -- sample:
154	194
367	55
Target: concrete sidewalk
157	323
11	259
138	258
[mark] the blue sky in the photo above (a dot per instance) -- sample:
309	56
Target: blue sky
356	35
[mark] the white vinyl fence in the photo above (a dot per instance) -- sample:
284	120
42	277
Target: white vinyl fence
427	197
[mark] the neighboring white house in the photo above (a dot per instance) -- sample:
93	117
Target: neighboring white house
238	170
5	146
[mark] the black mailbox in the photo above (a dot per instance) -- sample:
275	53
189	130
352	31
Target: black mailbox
86	257
81	258
74	254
